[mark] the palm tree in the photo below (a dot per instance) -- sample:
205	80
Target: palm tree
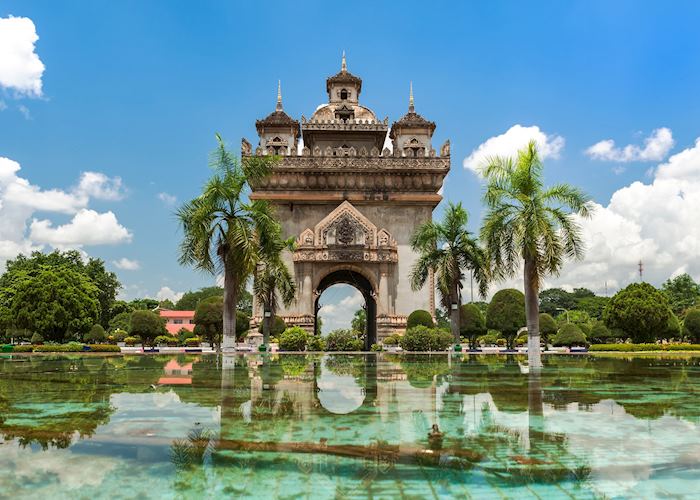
448	250
226	233
529	223
273	280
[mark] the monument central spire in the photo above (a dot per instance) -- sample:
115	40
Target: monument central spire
279	96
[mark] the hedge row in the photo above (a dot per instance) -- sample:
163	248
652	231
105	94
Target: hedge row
65	348
644	347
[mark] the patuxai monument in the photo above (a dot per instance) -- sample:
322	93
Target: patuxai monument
351	203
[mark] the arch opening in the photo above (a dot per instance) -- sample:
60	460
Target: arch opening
362	285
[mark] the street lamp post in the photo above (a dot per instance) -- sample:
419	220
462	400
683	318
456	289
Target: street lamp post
566	311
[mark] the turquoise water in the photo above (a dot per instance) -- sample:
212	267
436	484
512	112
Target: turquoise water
348	426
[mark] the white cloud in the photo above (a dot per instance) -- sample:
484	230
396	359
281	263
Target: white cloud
514	139
87	227
166	293
656	147
24	110
168	199
20	67
127	264
339	314
20	200
97	185
655	222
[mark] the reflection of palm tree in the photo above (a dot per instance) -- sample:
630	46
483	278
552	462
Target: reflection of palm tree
191	452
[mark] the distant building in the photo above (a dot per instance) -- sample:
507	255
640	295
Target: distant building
176	320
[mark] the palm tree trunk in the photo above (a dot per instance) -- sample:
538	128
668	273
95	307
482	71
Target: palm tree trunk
231	286
454	314
532	314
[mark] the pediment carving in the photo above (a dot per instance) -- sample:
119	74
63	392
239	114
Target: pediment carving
346	235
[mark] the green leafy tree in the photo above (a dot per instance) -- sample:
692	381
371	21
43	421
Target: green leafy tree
209	319
120	322
166	304
593	306
225	232
272	281
472	324
548	327
37	339
190	299
147	325
118	307
641	311
343	340
554	300
673	328
506	313
359	321
96	335
691	325
682	292
419	317
106	283
600	334
530	224
59	302
144	304
448	250
569	335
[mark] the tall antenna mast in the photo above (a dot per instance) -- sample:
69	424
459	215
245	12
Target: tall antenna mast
641	270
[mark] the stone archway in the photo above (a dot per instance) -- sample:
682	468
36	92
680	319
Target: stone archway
364	286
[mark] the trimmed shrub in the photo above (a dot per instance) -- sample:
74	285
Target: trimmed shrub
131	340
419	317
294	339
376	348
316	343
569	335
422	338
644	347
23	348
391	340
184	334
506	313
37	338
95	335
193	341
490	338
691	325
548	328
70	347
343	340
601	333
164	339
104	348
521	339
119	335
472	324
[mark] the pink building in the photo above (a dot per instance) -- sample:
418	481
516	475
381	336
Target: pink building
175	320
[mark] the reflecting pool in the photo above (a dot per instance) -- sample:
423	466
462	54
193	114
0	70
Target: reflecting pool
349	426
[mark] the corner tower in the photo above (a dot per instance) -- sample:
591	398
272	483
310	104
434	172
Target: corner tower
352	204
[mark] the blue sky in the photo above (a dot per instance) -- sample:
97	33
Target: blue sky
136	90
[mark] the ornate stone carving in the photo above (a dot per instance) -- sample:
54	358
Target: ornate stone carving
305	151
374	151
445	149
363	151
246	147
345	235
386	152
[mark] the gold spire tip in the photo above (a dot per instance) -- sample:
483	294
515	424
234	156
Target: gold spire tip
344	64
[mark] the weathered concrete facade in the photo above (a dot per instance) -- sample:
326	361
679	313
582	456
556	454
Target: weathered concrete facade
351	204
